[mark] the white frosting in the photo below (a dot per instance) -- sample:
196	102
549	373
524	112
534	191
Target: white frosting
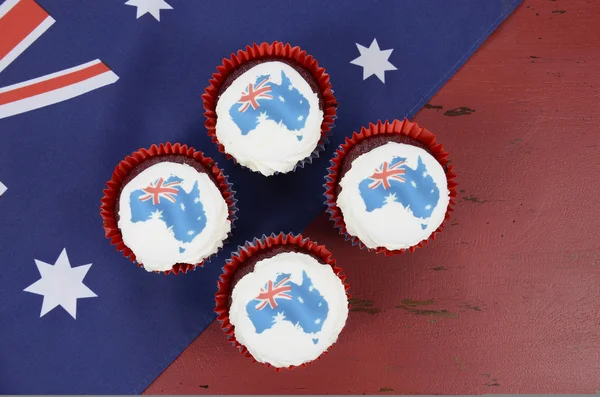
270	147
152	242
392	226
284	344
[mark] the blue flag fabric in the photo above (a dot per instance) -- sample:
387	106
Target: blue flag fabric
75	316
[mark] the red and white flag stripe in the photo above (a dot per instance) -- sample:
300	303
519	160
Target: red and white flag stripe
55	87
21	23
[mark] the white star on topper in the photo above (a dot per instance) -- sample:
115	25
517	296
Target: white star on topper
152	7
61	285
373	61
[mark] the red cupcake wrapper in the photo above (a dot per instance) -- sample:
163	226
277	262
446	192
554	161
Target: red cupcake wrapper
273	50
111	194
408	129
245	252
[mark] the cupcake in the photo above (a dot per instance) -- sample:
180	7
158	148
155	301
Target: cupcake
270	107
282	300
390	187
168	207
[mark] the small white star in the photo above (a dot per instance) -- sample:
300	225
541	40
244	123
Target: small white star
431	191
279	317
191	232
318	321
61	285
390	198
290	87
300	299
152	7
156	214
182	206
373	61
3	188
311	288
282	99
428	207
320	303
261	117
196	200
301	101
300	118
425	174
413	183
198	218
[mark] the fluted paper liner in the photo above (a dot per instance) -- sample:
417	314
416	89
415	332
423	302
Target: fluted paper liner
406	128
270	51
242	254
111	195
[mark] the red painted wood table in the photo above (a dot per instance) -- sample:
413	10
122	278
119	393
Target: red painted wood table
507	300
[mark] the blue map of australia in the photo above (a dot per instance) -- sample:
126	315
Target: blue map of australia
282	300
265	100
182	212
395	181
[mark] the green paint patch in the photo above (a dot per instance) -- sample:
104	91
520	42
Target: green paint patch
474	199
370	310
363	305
460	111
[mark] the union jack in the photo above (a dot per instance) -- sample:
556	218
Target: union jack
384	173
155	192
269	295
251	97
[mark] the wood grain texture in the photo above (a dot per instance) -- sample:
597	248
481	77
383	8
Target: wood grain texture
507	299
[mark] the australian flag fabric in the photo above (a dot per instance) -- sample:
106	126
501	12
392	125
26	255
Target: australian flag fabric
394	181
283	300
84	83
182	212
266	100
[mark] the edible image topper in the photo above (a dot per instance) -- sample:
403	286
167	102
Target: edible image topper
283	300
269	118
171	213
393	196
395	181
280	102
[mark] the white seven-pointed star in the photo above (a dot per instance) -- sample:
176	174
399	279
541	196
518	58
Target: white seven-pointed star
61	285
390	198
373	61
152	7
279	317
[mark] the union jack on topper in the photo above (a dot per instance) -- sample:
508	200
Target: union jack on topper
384	173
158	191
270	294
251	96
